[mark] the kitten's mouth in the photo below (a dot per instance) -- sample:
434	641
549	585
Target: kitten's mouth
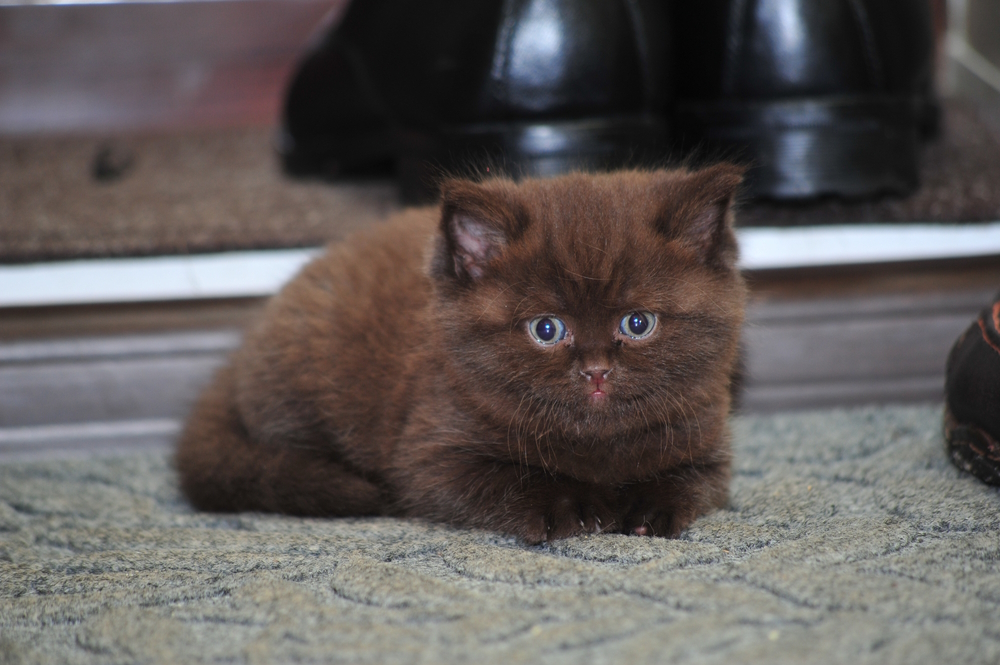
597	396
596	380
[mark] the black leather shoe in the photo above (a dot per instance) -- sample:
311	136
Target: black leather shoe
972	398
530	86
821	96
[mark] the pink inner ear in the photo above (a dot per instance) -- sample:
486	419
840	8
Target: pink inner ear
706	222
475	244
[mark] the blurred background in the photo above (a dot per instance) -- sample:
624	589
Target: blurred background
118	66
88	66
145	216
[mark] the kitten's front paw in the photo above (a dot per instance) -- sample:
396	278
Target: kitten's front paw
666	508
663	510
563	512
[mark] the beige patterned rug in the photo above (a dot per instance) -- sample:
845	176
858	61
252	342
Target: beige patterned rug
849	539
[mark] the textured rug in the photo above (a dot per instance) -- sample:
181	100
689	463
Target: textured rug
77	197
207	191
849	538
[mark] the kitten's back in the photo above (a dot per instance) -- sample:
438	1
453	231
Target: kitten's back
328	362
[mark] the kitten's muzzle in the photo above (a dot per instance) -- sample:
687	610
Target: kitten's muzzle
596	376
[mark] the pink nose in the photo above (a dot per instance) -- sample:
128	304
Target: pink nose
595	376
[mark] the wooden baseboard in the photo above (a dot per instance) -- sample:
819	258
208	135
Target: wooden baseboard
125	379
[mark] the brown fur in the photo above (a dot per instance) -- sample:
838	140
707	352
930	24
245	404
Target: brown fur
396	376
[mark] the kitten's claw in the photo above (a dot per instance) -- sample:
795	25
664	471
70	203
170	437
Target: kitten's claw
572	517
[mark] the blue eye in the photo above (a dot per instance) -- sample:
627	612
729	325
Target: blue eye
547	330
638	324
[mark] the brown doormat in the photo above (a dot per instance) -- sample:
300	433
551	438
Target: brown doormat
77	197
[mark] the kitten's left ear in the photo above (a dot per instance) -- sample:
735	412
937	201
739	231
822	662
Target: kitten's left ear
697	211
478	222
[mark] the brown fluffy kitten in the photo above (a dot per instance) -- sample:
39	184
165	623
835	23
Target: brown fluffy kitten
543	359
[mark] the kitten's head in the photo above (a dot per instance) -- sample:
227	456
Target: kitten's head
588	307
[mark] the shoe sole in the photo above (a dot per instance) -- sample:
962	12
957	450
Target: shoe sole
972	450
527	149
799	149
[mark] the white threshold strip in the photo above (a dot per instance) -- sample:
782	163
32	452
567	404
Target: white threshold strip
32	434
86	439
261	273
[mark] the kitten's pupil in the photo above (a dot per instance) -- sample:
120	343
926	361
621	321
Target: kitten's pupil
546	330
637	324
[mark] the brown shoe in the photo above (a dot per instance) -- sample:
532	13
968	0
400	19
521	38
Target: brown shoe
972	398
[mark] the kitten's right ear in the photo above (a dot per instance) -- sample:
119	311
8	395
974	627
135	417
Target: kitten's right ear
697	211
477	224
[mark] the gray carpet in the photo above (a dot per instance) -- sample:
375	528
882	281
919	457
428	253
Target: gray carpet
849	539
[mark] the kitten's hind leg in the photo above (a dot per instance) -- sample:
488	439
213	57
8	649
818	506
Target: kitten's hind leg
222	468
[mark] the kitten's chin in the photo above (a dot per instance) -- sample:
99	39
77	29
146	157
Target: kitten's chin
599	414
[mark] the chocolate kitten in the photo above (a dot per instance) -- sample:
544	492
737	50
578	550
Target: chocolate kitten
543	359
